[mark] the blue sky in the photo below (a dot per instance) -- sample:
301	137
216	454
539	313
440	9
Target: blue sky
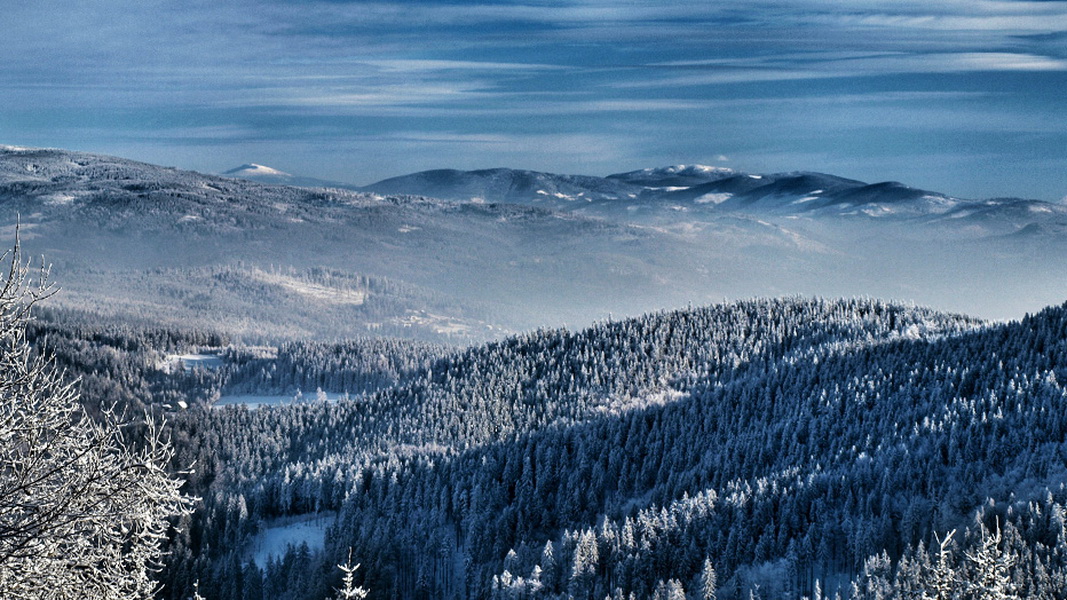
966	97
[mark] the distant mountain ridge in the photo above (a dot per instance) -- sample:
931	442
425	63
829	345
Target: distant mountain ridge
675	176
504	185
473	255
660	194
133	239
664	195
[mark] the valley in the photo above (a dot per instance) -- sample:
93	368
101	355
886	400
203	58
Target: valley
549	300
483	385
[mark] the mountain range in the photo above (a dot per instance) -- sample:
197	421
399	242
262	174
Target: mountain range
682	195
674	193
682	192
854	237
459	256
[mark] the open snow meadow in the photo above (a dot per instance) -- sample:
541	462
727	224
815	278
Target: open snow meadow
252	401
282	535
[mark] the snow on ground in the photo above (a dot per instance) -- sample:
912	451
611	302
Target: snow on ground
252	169
624	404
438	323
691	169
878	211
254	401
171	362
713	198
278	534
59	199
939	204
312	291
709	169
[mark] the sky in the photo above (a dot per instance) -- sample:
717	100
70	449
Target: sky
964	97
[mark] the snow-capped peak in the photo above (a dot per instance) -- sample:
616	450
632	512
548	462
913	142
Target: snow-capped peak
252	169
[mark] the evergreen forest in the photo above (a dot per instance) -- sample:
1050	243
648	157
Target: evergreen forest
781	448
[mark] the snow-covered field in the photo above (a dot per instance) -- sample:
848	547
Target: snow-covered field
279	534
254	401
313	291
172	362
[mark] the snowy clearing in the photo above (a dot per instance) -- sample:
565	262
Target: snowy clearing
312	291
437	323
172	362
279	534
713	198
59	199
254	401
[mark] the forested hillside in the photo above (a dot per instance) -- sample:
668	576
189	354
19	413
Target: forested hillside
714	433
783	448
137	366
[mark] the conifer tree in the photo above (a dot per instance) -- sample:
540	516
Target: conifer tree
349	590
708	581
943	576
992	564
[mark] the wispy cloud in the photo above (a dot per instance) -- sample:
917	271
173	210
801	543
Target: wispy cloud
719	71
438	66
540	80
